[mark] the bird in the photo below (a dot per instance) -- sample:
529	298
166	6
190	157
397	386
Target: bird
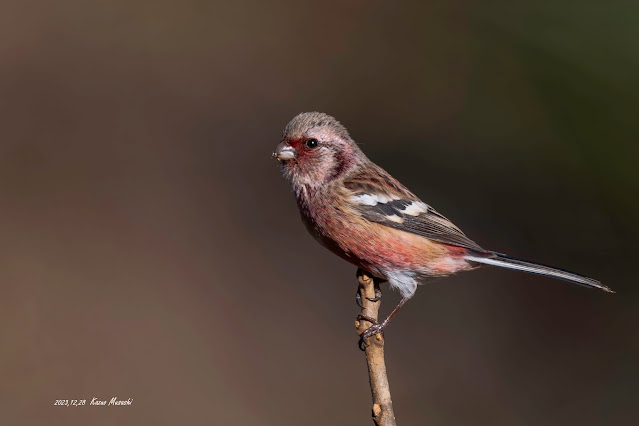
361	213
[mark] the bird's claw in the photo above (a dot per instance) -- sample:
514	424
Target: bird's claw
377	298
378	295
361	317
370	332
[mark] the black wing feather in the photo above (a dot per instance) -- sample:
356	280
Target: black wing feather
431	224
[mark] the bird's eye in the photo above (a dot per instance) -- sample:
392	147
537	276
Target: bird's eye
311	143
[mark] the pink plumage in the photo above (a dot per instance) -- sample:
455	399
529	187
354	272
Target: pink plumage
361	213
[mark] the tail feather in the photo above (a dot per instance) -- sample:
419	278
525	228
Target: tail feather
536	268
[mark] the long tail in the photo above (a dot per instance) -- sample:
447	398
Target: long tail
535	268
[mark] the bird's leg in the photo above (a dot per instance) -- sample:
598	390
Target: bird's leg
379	327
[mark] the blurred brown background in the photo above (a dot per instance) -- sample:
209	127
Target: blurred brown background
151	250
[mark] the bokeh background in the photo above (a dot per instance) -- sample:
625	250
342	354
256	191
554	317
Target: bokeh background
151	250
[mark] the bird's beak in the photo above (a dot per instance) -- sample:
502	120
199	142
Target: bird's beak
284	152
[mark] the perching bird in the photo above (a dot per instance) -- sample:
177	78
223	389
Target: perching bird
361	213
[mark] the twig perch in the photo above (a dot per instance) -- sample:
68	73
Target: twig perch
383	414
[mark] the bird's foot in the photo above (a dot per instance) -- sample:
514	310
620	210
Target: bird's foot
373	330
378	295
361	317
377	298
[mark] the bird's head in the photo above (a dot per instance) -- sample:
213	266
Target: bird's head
315	150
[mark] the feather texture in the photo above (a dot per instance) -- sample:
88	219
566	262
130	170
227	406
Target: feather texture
361	213
380	199
508	262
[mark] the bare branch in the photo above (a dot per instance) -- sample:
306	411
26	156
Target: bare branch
383	414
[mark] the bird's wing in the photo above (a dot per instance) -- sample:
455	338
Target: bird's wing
379	198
